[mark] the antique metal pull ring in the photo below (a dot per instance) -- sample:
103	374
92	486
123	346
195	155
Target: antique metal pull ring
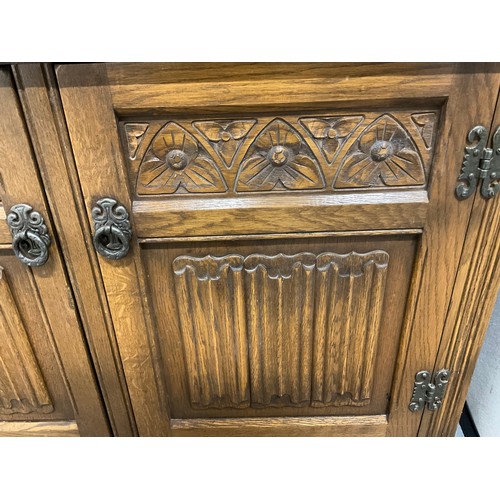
30	238
112	231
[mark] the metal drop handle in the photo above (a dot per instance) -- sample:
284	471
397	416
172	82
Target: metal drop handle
112	232
30	238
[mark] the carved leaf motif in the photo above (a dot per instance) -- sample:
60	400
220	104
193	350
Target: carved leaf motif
425	123
331	133
226	136
383	155
176	163
135	135
279	159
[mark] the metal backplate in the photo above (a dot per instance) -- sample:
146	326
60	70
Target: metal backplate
428	390
112	231
30	238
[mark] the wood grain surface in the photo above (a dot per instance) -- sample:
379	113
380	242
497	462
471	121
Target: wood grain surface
152	138
49	315
474	295
39	429
316	426
41	104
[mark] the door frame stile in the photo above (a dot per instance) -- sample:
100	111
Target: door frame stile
63	325
42	108
86	96
471	306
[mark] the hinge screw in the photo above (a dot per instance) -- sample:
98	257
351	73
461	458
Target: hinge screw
498	151
476	152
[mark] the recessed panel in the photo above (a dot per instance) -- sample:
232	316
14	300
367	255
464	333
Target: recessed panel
32	385
282	327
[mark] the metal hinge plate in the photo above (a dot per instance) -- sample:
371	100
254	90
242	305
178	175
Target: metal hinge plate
429	390
480	163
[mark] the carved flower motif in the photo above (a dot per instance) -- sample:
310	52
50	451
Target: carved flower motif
278	158
383	155
174	162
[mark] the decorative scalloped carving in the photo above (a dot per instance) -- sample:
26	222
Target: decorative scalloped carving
280	330
425	124
383	155
279	159
175	162
135	135
22	388
331	133
226	137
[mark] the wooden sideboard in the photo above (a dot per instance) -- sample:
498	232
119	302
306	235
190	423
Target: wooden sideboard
246	249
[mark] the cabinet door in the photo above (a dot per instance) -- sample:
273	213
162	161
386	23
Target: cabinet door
47	385
295	235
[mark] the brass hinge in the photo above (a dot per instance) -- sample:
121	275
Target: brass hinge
429	390
479	163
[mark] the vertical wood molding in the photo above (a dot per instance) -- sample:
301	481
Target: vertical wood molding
211	310
21	182
86	98
353	291
474	296
442	240
42	108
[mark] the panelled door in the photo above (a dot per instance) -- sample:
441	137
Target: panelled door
47	385
278	242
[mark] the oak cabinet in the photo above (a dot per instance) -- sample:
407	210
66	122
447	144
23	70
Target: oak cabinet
270	249
47	385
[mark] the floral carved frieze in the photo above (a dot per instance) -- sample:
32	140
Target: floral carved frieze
289	153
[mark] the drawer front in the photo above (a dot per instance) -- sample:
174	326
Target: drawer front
295	237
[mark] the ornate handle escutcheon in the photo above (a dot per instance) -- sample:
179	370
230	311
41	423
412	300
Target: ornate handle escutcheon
30	238
112	231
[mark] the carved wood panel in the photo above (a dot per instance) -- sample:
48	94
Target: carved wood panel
22	388
280	330
322	152
211	304
175	162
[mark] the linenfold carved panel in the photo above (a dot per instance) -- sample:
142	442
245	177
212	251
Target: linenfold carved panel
286	153
22	388
280	330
